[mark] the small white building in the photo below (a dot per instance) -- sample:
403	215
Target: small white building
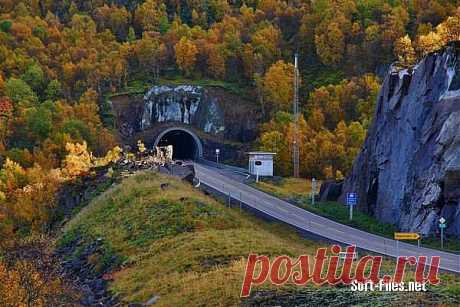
261	163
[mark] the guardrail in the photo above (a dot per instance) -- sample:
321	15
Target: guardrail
303	228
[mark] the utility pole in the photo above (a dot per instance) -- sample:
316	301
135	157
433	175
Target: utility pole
295	145
313	190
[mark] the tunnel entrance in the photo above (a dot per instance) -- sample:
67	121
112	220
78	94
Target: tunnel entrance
186	145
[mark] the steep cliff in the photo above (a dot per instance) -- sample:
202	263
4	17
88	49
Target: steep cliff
408	171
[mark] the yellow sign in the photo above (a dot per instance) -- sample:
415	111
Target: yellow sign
407	236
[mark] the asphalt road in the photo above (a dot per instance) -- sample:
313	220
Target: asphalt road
230	182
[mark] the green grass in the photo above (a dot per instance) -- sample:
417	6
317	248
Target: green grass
340	213
287	188
141	85
229	86
168	236
181	245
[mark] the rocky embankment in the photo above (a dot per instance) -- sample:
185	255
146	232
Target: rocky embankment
81	264
408	171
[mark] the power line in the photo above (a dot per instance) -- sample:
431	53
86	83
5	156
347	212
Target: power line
295	145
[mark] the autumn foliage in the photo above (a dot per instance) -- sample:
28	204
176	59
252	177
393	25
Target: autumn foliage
61	60
29	277
332	133
27	195
58	59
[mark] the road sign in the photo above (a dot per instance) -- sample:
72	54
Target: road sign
352	199
442	225
407	236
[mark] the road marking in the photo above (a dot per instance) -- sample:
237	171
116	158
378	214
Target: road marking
303	219
280	208
336	230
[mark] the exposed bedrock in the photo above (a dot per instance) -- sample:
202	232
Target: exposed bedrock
218	118
408	171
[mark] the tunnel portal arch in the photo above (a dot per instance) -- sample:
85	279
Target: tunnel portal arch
187	144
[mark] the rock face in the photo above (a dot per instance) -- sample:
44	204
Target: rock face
184	104
219	118
408	171
211	110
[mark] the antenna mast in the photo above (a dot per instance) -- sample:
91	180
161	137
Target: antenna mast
295	145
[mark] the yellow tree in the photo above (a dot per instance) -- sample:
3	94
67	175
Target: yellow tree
405	52
266	42
186	52
278	84
395	21
276	141
78	161
150	53
113	17
449	30
330	43
6	113
445	32
150	15
215	61
430	42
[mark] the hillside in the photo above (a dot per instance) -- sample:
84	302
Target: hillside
61	60
163	240
62	65
175	242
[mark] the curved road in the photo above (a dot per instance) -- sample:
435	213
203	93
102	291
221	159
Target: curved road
229	182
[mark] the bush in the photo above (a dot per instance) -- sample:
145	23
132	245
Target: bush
5	25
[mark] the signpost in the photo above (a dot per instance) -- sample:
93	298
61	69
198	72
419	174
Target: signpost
352	200
257	164
406	236
217	155
442	225
313	190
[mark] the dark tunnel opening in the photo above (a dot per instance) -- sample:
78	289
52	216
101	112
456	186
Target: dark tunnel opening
184	145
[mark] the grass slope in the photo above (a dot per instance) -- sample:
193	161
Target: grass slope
183	246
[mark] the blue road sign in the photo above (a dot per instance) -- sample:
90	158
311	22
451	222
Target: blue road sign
442	226
352	199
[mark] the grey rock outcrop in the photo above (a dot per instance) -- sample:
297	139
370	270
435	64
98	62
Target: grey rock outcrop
211	110
220	118
184	104
408	171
